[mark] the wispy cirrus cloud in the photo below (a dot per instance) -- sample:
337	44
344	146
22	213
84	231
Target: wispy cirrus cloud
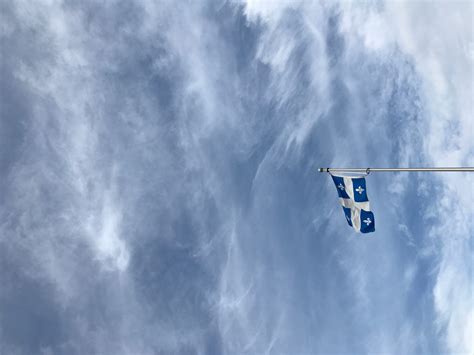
160	192
438	39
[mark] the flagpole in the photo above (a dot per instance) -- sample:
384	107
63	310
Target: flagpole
371	170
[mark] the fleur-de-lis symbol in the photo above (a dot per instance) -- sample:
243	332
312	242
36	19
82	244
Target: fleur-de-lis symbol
367	221
360	190
340	187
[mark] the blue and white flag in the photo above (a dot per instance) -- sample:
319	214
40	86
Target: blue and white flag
352	193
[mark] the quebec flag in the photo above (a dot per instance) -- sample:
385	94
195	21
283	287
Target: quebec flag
352	193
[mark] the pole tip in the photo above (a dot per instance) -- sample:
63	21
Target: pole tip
322	170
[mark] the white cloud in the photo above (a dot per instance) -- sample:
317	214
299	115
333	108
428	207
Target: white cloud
68	82
438	37
188	166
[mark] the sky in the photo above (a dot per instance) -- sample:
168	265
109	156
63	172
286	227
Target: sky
158	182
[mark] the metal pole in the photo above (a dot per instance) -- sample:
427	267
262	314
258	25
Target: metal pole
370	170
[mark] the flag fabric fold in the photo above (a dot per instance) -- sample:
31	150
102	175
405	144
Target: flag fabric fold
352	192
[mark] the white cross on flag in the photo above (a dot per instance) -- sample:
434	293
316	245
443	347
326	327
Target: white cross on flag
352	193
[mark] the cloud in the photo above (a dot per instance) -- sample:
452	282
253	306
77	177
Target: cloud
160	193
441	127
438	38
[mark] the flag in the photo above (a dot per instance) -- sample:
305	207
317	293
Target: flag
352	193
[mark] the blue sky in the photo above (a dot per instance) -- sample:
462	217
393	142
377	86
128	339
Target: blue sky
158	179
